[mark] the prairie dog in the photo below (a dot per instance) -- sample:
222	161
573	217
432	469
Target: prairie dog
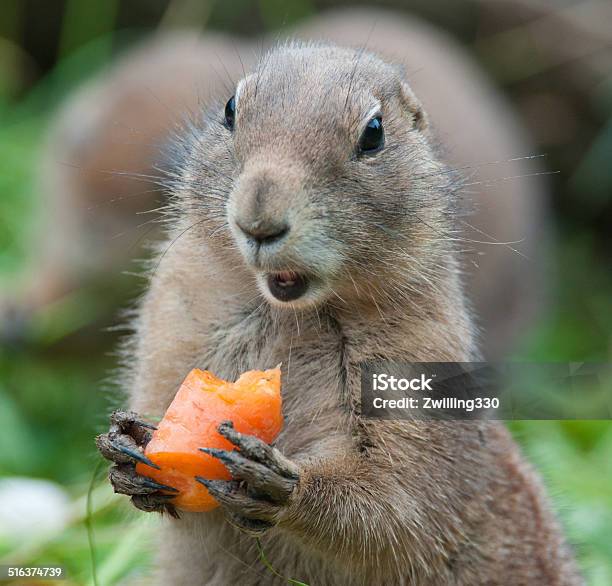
107	142
311	223
98	165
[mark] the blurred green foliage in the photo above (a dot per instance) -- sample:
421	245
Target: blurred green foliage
51	403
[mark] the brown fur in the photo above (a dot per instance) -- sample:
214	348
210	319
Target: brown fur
105	144
378	502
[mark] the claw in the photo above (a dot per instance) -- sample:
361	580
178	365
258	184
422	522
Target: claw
137	456
229	459
213	485
152	484
164	497
257	450
219	488
215	453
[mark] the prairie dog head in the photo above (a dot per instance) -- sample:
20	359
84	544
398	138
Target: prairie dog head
317	177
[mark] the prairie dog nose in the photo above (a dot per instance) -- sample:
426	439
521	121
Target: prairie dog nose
263	232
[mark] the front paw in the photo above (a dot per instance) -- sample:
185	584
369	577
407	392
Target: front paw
262	485
124	445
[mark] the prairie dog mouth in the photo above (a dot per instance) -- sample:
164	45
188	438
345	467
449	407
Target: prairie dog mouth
287	285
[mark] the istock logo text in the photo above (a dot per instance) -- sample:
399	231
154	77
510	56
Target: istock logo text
386	382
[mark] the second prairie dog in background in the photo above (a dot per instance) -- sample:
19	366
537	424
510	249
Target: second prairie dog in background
113	131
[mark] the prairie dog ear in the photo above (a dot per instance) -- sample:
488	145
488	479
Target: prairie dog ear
410	102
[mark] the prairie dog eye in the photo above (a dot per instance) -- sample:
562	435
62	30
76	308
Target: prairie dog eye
230	113
373	136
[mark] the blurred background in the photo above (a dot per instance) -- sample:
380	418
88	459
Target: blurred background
552	59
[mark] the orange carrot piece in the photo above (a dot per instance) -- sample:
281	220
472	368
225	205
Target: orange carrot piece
252	403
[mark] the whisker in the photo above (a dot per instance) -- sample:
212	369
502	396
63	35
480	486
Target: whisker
510	178
122	198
